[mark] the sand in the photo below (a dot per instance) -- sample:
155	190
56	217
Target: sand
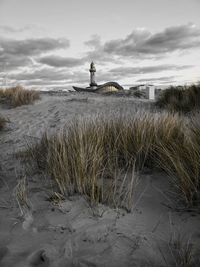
73	233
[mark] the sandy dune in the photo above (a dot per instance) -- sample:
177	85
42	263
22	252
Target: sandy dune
73	233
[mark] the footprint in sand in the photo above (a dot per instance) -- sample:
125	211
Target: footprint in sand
57	113
39	258
43	257
50	110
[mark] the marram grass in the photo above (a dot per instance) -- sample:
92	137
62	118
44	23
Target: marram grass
93	156
181	99
18	96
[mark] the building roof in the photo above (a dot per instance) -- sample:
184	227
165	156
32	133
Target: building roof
98	87
115	84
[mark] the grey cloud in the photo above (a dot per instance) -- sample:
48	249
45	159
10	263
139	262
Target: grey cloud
17	53
144	43
158	79
104	76
57	61
97	52
94	42
31	47
101	58
48	76
38	82
117	74
8	29
44	74
128	71
9	62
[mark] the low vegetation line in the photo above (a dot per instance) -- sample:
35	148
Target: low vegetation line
182	99
95	156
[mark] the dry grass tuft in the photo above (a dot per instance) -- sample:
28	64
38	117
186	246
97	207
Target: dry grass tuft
181	160
181	252
79	161
17	96
21	195
94	156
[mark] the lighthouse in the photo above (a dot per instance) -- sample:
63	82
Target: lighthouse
95	88
92	75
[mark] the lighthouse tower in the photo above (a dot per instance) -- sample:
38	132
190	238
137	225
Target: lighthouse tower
92	75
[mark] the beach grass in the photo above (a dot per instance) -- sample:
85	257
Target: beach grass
180	98
93	156
18	95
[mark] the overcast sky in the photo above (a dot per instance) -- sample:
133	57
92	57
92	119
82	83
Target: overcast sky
50	43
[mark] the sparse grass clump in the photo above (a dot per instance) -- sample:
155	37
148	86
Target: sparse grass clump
182	163
180	99
20	193
181	160
80	160
182	251
93	156
17	96
179	251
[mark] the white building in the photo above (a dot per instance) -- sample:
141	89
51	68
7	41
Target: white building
149	90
